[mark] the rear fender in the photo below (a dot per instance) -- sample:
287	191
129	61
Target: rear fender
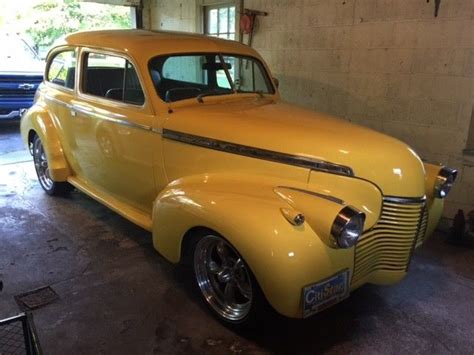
37	120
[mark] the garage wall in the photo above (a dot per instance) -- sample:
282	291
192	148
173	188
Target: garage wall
387	64
172	15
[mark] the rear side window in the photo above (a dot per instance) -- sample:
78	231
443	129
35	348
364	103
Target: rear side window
111	77
62	69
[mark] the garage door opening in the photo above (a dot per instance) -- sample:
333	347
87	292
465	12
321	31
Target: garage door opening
42	23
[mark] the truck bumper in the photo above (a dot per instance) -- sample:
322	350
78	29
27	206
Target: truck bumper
12	114
14	108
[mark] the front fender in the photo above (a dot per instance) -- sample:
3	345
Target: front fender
38	120
283	257
434	205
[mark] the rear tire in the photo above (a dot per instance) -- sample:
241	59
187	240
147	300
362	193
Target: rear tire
225	282
53	188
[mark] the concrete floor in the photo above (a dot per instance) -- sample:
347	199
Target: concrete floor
118	296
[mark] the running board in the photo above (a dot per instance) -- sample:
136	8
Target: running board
133	214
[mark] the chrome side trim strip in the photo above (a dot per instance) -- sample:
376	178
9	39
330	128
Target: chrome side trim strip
51	98
157	131
257	153
404	200
313	193
115	119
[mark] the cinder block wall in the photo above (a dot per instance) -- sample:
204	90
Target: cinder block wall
387	64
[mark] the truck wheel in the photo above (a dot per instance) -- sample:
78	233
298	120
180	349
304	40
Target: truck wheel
41	165
225	281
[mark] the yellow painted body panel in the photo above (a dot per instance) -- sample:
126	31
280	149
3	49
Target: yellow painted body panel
434	205
114	158
39	120
246	211
120	155
133	214
282	127
363	195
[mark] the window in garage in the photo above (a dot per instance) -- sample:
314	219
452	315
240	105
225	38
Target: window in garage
219	21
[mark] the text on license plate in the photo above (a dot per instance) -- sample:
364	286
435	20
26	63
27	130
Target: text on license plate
324	294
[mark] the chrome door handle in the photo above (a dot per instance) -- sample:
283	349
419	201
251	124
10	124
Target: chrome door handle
72	110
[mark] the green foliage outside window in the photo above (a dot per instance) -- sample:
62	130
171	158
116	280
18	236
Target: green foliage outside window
46	21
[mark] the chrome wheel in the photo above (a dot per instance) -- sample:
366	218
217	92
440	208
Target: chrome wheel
223	278
41	165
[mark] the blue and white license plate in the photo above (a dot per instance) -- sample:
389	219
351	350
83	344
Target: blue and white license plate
324	294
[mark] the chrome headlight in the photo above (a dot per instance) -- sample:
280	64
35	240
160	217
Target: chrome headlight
444	181
348	227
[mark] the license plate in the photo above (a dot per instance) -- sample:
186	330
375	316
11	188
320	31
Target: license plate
324	294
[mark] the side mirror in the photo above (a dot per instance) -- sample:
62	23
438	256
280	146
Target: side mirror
276	82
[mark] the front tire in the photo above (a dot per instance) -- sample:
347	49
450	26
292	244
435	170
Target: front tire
42	171
225	281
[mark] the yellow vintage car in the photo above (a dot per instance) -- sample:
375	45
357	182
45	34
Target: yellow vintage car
268	203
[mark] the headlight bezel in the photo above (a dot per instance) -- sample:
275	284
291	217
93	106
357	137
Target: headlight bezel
347	227
444	182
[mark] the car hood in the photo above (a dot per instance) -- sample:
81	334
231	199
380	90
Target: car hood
277	126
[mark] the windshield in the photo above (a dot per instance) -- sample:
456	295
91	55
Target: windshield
184	76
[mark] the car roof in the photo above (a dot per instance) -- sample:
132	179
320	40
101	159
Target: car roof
139	43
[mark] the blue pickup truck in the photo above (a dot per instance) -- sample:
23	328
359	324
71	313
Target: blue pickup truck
21	72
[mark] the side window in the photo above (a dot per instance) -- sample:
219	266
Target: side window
62	69
132	93
111	77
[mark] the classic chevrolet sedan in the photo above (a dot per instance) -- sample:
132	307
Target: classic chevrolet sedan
267	202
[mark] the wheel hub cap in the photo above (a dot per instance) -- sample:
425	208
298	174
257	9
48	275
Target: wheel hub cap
223	278
41	165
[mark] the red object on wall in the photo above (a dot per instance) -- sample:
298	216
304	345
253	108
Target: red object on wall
246	23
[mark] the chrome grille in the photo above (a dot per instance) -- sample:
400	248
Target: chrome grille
421	238
388	245
33	79
17	92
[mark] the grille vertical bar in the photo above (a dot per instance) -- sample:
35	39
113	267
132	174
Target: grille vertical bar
423	226
388	245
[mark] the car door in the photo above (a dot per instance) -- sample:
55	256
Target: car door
112	128
58	93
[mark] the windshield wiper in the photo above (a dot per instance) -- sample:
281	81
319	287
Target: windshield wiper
212	93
